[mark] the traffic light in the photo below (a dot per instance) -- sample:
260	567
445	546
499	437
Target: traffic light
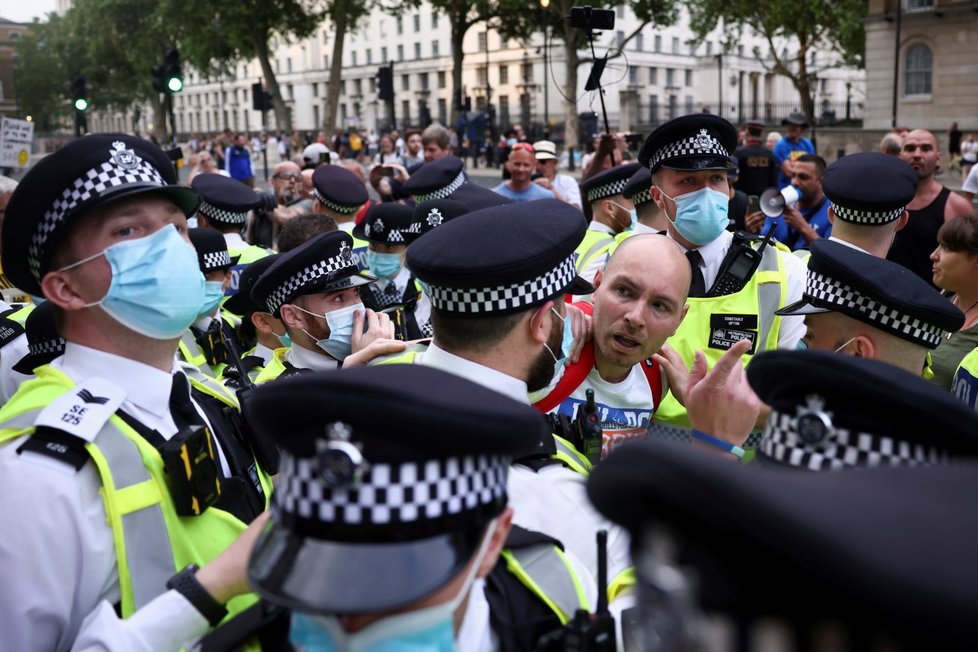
79	96
385	83
172	74
261	100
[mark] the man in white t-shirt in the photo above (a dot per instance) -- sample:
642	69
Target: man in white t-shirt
639	302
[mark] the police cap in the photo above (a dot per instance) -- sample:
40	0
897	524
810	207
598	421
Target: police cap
875	291
609	183
638	187
436	212
698	141
444	178
884	552
64	186
388	223
223	199
832	411
338	189
44	343
212	249
501	260
384	515
869	187
241	303
323	264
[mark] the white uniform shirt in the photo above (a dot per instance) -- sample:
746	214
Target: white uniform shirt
552	500
302	358
792	328
57	558
10	355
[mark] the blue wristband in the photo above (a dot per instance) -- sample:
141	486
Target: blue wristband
727	447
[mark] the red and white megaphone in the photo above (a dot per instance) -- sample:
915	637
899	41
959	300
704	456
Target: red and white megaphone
773	201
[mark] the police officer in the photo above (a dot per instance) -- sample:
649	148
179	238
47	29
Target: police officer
497	314
259	332
435	212
444	178
828	550
610	215
390	229
44	343
341	195
737	286
313	289
225	206
649	219
412	533
104	516
857	304
869	192
205	343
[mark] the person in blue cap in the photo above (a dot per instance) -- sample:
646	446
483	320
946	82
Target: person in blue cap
101	232
857	304
737	284
225	205
341	195
314	291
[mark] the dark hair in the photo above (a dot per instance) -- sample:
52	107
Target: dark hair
813	158
456	334
246	332
960	234
302	228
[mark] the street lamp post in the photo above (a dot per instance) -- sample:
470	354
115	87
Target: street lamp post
545	4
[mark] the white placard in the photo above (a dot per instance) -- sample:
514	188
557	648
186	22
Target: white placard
16	138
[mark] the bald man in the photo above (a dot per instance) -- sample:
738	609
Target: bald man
931	206
639	302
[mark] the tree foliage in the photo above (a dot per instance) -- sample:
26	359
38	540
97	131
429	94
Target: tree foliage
792	30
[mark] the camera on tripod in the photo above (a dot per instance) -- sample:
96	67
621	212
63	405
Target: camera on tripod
591	19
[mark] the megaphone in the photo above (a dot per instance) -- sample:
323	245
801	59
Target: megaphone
773	201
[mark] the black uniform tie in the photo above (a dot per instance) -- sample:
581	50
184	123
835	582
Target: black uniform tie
697	287
181	407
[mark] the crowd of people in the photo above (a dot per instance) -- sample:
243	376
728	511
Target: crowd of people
715	394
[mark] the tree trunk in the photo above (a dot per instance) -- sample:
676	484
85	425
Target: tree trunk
459	27
283	117
340	23
159	117
572	63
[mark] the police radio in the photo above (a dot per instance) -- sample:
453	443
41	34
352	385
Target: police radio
191	470
584	432
739	264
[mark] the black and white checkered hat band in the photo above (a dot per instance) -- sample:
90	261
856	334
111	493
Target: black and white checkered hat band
216	260
826	292
506	297
702	144
56	345
309	275
221	214
641	197
841	449
441	193
609	189
343	209
94	183
410	493
857	216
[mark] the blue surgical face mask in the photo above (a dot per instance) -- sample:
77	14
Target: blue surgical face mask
701	216
384	265
430	629
157	289
340	323
566	340
632	215
284	340
423	286
802	345
213	295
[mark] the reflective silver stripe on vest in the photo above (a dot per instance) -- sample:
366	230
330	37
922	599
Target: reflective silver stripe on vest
595	248
551	574
768	297
572	453
146	539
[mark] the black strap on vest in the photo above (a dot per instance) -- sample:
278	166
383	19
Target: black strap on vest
56	444
518	617
267	623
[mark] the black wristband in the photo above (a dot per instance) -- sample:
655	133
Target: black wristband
186	584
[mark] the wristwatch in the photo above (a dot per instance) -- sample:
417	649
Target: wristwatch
186	584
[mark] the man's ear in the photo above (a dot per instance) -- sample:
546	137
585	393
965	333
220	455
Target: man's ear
497	542
60	289
598	277
902	222
540	323
657	197
831	215
864	347
202	220
290	316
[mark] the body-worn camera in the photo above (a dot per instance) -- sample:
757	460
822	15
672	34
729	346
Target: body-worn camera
190	464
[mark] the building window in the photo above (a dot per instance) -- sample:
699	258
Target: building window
442	79
689	104
918	5
343	87
504	110
434	20
325	38
434	49
400	53
288	64
373	84
670	74
417	23
315	90
353	58
482	76
658	43
527	69
639	42
406	111
633	75
383	55
709	48
405	82
689	77
424	81
358	87
654	109
653	76
370	56
483	41
325	63
13	35
315	114
620	11
918	66
399	23
619	38
675	45
442	110
503	74
417	50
